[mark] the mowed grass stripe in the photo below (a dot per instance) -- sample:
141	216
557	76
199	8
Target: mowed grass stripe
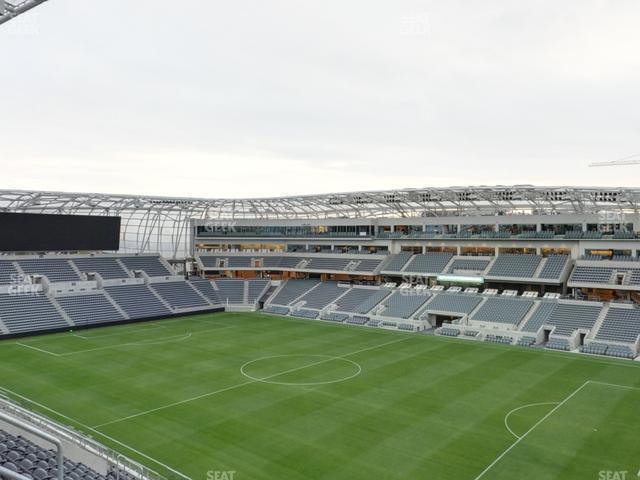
424	407
586	434
246	382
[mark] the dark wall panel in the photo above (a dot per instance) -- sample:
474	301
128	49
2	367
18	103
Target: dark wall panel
28	232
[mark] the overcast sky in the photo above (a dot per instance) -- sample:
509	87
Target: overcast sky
271	98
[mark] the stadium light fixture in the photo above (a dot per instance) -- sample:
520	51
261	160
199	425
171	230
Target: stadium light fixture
462	279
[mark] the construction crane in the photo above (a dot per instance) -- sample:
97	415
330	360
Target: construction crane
12	8
631	160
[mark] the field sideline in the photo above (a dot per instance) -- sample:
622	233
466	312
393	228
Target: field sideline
280	398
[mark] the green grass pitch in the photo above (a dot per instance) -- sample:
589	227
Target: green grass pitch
271	397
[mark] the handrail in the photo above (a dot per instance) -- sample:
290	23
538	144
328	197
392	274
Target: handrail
5	472
113	458
38	433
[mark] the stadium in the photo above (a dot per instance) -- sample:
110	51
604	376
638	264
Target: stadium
236	333
446	333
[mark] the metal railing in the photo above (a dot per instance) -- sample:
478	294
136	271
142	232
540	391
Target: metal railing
22	425
56	432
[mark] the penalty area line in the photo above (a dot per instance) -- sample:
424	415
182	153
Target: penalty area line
41	350
536	425
551	412
141	343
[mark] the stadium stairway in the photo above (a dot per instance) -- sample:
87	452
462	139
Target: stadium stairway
295	295
207	289
19	269
478	307
3	328
208	300
180	296
527	317
596	326
334	304
159	297
541	267
449	264
77	270
116	306
89	308
61	311
489	266
246	292
421	314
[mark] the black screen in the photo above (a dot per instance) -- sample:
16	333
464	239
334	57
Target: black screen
31	232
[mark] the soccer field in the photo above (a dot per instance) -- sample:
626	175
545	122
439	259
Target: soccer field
281	398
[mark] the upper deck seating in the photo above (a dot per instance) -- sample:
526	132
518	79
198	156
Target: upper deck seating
395	262
515	265
8	273
239	262
469	265
368	265
55	269
290	262
328	263
554	267
432	262
107	267
586	274
210	261
151	265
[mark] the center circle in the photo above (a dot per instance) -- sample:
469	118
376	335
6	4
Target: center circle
326	369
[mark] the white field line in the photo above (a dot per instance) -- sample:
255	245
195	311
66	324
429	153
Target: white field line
73	421
537	424
506	417
37	349
141	343
560	404
614	385
124	332
152	325
248	382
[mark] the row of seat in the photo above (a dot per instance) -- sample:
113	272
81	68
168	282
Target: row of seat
70	269
37	311
587	275
332	262
620	325
505	266
31	460
521	314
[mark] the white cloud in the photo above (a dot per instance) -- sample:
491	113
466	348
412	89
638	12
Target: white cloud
276	98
